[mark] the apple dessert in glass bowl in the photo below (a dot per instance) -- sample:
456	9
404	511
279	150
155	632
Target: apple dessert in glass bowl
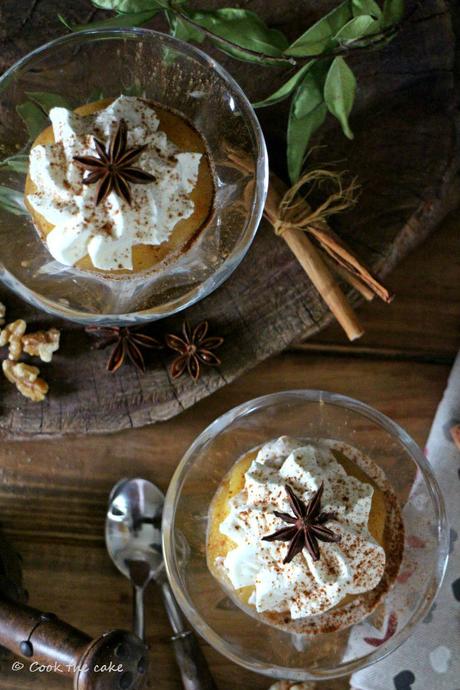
120	203
292	531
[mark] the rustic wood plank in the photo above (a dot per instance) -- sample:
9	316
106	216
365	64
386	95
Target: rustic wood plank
407	89
53	496
423	320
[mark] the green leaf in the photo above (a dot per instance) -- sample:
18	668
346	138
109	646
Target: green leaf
33	117
358	28
339	93
130	6
46	101
308	112
95	95
300	131
185	31
18	162
285	90
243	28
34	112
133	90
359	7
318	37
120	21
393	11
12	200
64	21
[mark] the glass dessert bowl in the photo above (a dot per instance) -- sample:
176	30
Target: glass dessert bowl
304	535
125	201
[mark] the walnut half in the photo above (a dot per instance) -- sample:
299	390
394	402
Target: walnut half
26	380
42	344
12	335
2	314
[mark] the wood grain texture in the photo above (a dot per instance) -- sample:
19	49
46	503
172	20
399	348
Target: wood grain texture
409	184
53	498
53	493
422	322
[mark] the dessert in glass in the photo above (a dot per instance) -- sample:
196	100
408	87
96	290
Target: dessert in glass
307	534
118	186
292	535
124	205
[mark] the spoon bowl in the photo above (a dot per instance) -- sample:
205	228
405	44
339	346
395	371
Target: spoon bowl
133	526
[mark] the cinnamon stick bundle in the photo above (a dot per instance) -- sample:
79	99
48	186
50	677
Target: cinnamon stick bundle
293	219
312	263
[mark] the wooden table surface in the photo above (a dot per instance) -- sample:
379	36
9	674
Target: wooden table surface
53	493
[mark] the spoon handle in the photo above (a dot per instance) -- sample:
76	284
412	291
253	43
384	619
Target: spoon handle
190	659
138	612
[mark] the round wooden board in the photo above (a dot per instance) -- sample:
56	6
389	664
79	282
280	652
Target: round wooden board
405	153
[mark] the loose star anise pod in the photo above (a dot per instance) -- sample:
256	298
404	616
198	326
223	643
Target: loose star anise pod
306	526
112	167
128	342
194	350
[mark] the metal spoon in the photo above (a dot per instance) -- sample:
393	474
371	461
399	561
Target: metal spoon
133	539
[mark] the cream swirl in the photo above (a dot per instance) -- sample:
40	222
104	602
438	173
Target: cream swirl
108	232
303	587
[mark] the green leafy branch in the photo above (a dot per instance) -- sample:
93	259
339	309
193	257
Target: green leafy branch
323	82
245	36
251	34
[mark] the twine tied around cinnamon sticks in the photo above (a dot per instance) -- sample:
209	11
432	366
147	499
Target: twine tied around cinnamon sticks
295	221
295	212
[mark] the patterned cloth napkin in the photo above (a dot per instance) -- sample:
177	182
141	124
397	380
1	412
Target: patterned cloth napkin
430	659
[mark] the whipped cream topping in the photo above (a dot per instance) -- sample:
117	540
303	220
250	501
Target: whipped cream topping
303	587
108	232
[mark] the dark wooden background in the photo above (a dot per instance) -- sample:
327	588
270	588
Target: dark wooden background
405	154
54	491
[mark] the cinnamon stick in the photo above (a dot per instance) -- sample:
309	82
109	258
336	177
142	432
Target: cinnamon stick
351	279
314	266
338	250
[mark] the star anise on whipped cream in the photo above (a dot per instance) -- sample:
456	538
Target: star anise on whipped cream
306	527
113	167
